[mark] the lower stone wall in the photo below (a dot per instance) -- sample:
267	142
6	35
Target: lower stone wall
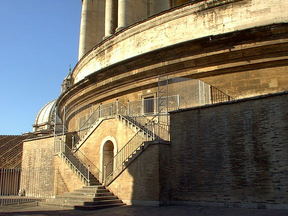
37	177
139	184
65	180
232	154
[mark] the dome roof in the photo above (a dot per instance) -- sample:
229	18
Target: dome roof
45	117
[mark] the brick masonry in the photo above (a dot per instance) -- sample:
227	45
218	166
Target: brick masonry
37	177
231	154
140	183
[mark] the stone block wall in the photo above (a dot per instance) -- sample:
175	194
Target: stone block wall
65	180
111	129
37	177
140	183
231	154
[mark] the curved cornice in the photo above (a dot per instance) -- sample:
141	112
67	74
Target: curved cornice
200	55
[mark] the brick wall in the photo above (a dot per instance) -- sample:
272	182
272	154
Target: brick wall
231	154
65	180
139	184
37	177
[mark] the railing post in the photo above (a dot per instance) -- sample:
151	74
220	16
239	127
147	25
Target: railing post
100	105
153	131
104	175
178	101
73	142
128	108
88	168
117	106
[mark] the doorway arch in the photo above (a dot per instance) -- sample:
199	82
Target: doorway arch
108	150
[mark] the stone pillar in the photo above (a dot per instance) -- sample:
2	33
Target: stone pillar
157	6
111	10
122	14
92	25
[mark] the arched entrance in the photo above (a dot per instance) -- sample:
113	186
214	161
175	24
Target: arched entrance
108	153
108	150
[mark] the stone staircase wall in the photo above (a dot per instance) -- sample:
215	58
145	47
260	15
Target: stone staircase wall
65	179
139	183
111	129
37	177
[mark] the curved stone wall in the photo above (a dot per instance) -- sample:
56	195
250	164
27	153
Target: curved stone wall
193	21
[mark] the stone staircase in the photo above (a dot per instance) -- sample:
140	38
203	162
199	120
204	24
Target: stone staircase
78	167
87	198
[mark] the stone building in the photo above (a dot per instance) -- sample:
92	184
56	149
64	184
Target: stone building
109	139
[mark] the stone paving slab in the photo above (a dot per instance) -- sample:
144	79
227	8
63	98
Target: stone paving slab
140	211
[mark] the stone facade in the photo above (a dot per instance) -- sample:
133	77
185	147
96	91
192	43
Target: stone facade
37	177
227	154
231	154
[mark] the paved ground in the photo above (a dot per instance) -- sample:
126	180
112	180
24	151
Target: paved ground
25	210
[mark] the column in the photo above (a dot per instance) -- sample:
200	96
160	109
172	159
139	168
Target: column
83	29
158	6
111	10
92	25
122	14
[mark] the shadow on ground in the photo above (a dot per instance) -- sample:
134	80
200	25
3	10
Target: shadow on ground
23	210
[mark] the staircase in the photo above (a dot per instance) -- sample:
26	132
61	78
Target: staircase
86	198
146	130
94	195
79	168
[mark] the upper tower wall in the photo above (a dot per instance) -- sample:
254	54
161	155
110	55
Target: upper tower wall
92	25
194	21
102	18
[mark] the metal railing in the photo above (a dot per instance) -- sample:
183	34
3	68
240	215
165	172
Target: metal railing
150	106
148	129
16	186
101	112
121	160
78	162
218	96
9	182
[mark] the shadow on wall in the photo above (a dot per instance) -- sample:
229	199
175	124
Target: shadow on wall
140	183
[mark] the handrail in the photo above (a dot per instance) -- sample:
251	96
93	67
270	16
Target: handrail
219	96
88	119
118	164
79	161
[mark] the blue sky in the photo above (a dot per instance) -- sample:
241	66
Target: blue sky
38	40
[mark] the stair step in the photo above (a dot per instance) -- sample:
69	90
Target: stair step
62	198
63	202
98	206
88	193
102	202
103	194
92	187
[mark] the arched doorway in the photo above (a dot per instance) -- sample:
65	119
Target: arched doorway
108	149
108	154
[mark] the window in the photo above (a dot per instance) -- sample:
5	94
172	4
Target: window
149	105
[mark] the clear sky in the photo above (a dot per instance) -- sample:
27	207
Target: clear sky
38	41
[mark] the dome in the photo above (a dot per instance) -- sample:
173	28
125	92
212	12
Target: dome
45	118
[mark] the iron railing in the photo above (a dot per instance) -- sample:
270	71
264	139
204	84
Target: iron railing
78	162
148	129
150	106
121	160
10	192
16	186
218	96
